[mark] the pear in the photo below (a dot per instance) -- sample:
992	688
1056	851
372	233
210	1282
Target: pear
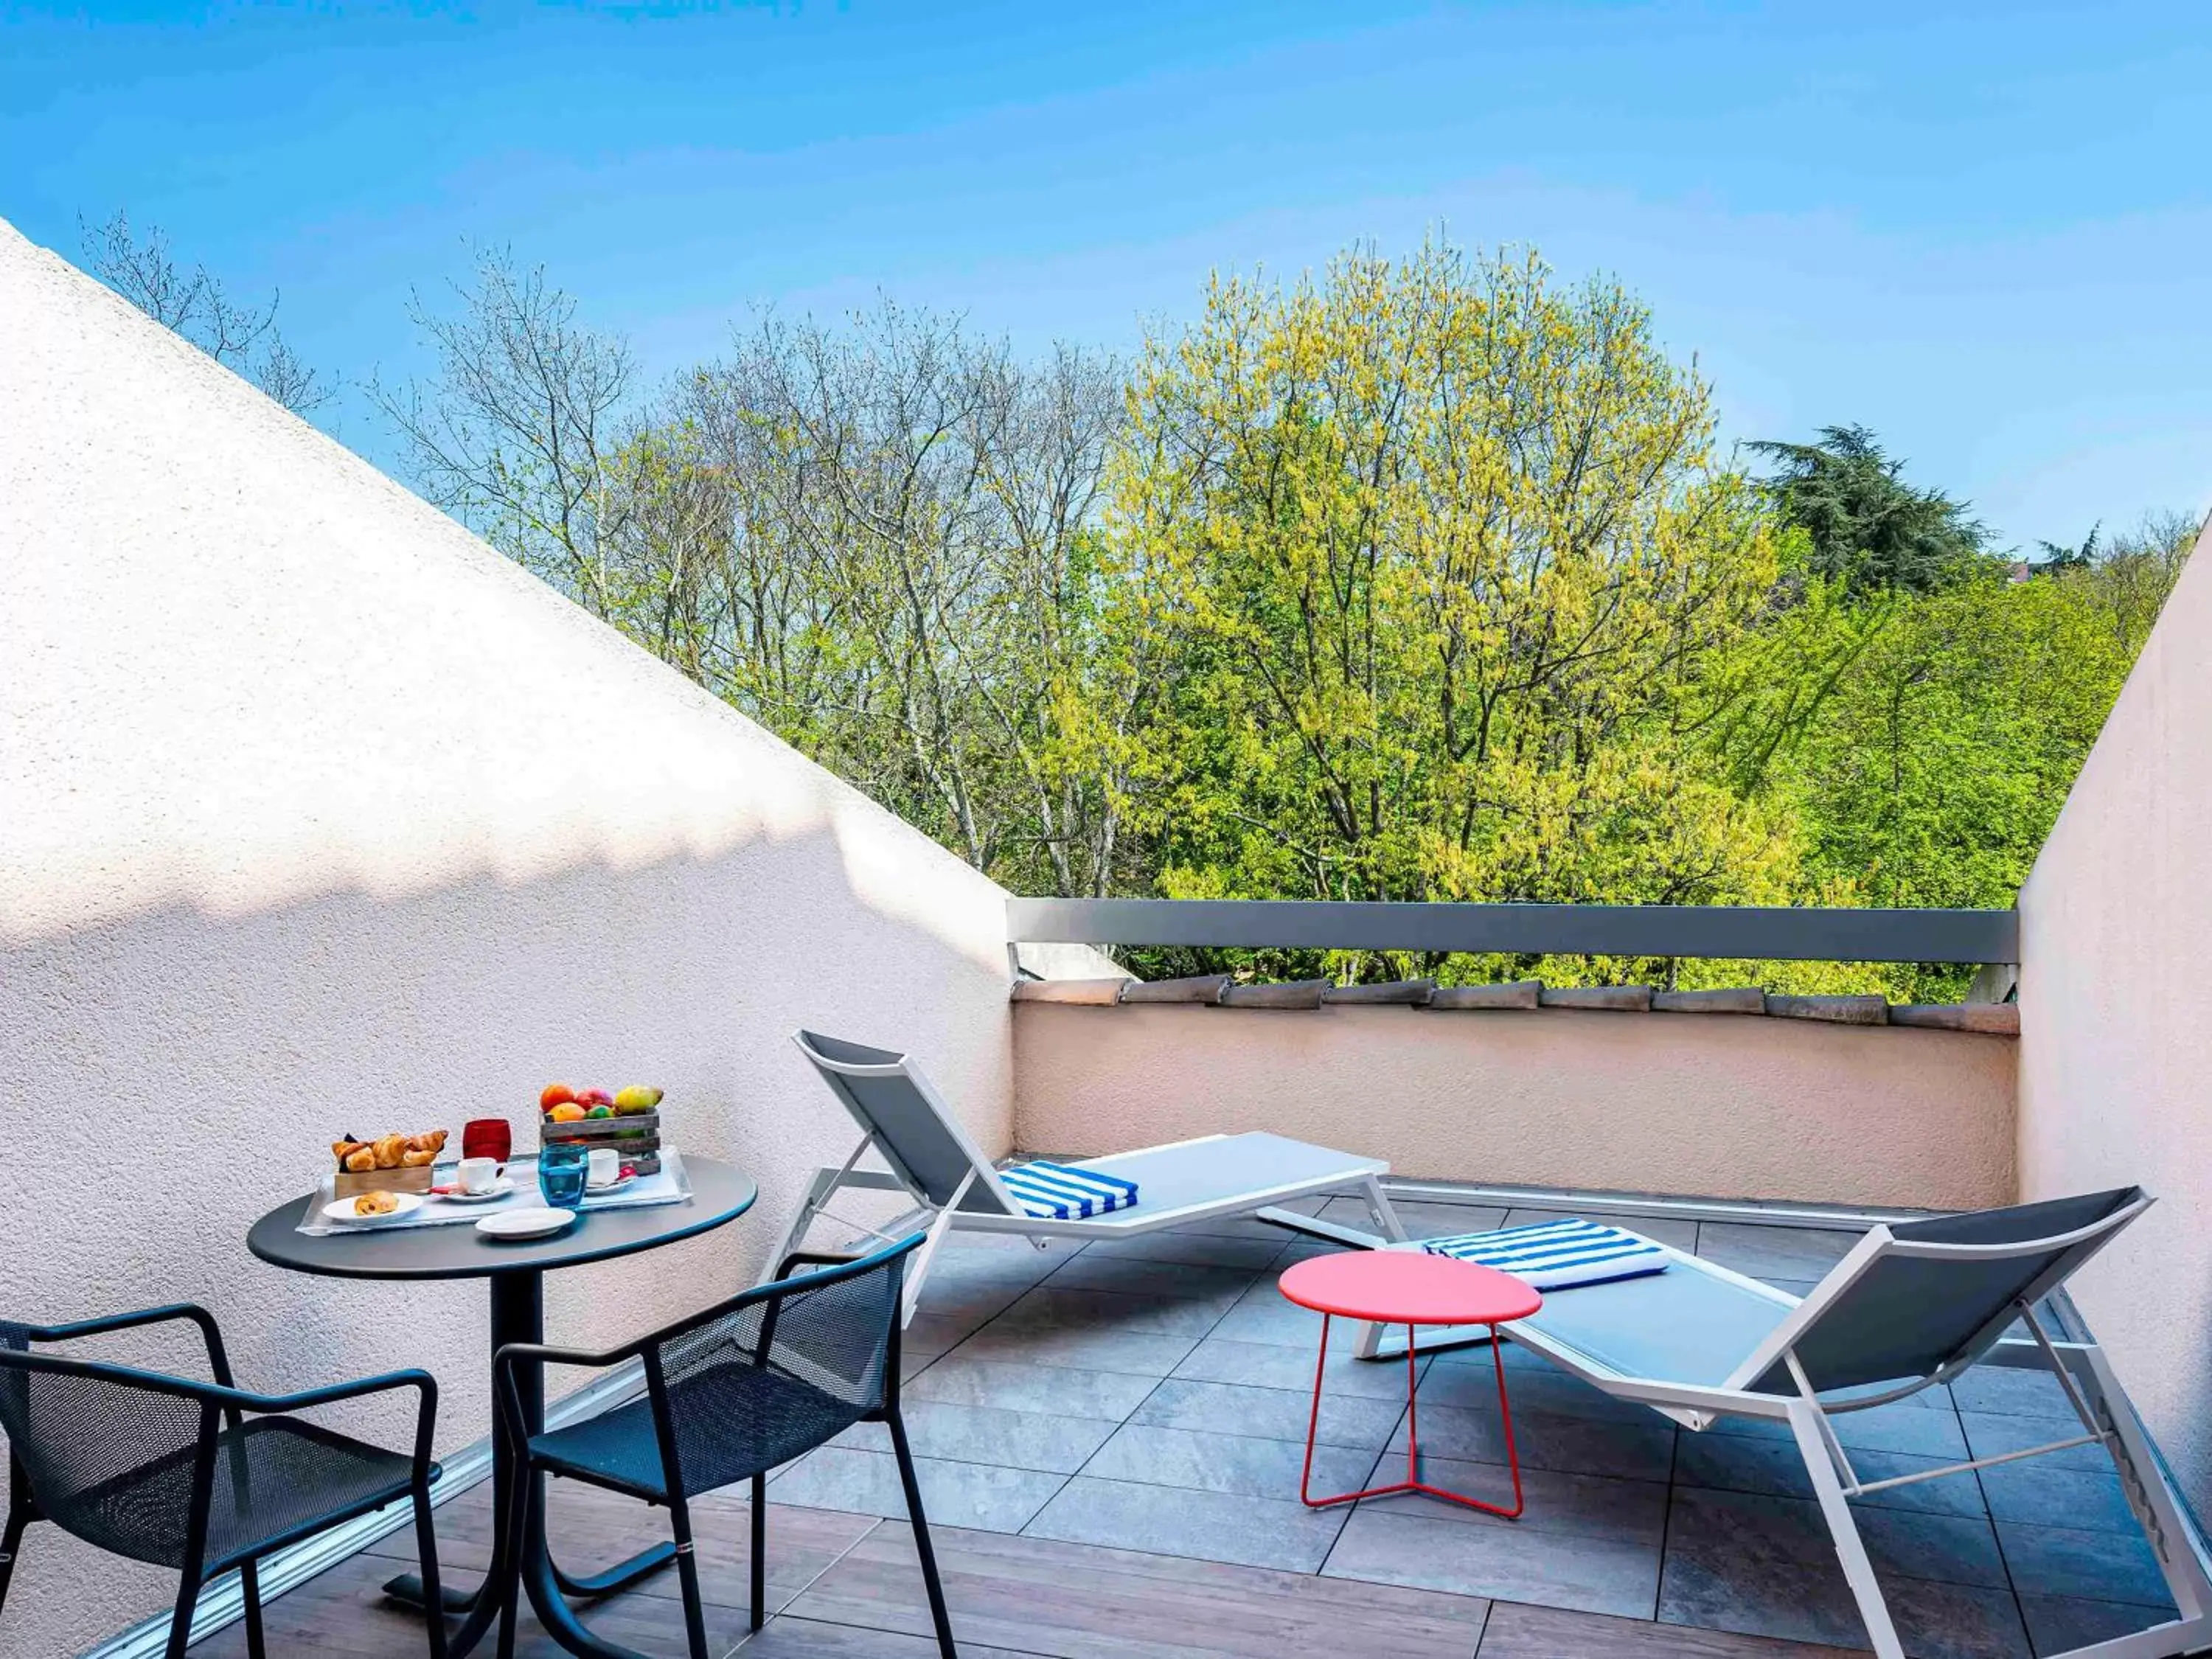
637	1098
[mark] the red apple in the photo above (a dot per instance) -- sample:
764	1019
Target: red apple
590	1097
555	1094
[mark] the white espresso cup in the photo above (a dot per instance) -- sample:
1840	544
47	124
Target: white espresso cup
479	1174
602	1166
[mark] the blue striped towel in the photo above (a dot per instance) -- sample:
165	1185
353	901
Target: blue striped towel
1056	1192
1550	1255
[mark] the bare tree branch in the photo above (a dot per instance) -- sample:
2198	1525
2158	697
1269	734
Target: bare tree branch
197	308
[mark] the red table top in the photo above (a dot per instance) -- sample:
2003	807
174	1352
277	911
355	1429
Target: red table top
1408	1287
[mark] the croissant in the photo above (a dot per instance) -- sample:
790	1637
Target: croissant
418	1159
360	1160
389	1149
432	1141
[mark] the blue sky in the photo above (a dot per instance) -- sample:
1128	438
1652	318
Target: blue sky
1985	231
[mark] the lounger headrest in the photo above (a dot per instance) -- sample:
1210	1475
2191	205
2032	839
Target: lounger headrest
916	1134
2019	1223
1934	1295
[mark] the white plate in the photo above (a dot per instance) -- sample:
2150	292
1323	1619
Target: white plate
499	1188
526	1223
614	1186
341	1211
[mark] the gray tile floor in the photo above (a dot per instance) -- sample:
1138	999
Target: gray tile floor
1152	1395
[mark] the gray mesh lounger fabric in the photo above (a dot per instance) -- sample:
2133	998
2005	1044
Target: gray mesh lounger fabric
1910	1305
1686	1325
938	1165
1914	1315
931	1156
1221	1169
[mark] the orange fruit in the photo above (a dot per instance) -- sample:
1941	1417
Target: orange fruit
567	1112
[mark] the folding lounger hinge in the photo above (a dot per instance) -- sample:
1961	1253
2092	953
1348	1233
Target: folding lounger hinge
815	1206
918	1269
2135	1489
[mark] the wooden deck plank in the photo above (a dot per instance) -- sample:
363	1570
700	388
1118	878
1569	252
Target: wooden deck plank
1520	1631
590	1529
1083	1601
342	1614
807	1639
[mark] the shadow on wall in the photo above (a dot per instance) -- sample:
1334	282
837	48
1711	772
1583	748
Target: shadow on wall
174	1076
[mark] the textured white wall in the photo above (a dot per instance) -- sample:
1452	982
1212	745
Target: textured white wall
2116	1030
1718	1104
320	816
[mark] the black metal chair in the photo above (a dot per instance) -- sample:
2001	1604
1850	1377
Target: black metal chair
731	1393
201	1477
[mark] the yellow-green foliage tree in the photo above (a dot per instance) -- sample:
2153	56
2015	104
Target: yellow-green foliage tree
1443	544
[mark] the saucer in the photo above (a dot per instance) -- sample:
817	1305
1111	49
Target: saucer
499	1188
526	1223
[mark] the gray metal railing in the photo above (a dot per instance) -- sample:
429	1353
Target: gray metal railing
1626	930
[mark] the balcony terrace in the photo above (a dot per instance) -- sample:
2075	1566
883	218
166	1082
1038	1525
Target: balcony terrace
340	822
1111	1439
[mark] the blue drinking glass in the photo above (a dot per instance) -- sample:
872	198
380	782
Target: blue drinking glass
560	1171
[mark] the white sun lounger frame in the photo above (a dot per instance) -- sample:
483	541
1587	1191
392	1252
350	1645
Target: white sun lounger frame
1562	1334
951	1186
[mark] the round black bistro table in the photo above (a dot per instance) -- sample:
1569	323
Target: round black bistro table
516	1271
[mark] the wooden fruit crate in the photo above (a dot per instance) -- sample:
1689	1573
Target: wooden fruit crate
635	1135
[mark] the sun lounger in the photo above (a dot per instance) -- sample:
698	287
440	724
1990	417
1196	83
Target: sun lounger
951	1185
1913	1304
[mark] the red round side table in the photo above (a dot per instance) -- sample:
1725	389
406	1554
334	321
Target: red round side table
1408	1288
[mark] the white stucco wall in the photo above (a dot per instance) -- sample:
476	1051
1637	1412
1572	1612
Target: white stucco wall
1718	1104
316	815
2115	1029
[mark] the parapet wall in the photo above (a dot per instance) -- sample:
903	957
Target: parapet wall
1715	1104
2116	1034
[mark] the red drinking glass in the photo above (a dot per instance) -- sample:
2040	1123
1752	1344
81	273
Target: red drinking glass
487	1137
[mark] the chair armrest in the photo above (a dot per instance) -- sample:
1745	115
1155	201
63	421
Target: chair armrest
819	1258
306	1399
545	1354
513	1355
218	1360
236	1401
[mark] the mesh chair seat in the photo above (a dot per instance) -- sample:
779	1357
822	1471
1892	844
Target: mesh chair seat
199	1477
732	1421
736	1390
274	1476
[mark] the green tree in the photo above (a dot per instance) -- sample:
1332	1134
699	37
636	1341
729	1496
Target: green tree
1420	581
1862	523
1441	545
877	539
1924	743
913	516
